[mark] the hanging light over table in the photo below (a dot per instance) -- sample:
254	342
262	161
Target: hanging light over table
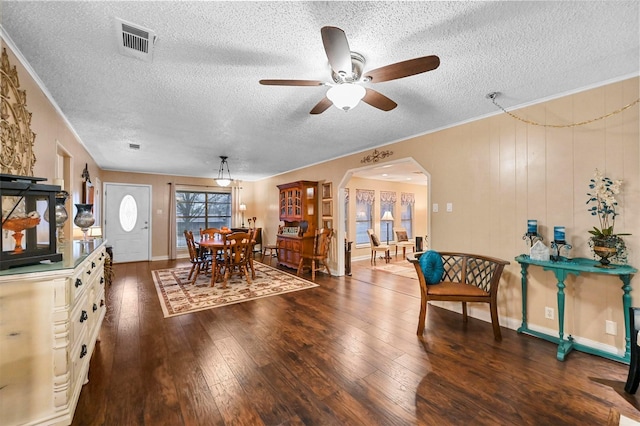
221	180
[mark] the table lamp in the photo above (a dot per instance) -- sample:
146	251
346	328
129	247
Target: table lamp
243	208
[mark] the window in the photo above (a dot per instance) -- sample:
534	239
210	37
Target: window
364	214
407	200
195	210
387	204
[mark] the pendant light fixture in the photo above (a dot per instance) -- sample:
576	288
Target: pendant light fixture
221	180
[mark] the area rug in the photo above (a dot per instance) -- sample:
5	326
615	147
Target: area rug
178	296
404	270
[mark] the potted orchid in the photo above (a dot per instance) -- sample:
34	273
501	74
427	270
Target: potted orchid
602	198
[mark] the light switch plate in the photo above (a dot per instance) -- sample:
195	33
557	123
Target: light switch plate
435	207
449	207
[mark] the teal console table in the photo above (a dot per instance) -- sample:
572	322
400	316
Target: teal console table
562	269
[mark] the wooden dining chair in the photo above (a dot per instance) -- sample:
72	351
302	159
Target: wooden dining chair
271	248
199	263
210	232
253	233
376	246
317	259
237	254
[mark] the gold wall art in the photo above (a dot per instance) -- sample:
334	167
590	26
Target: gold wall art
17	156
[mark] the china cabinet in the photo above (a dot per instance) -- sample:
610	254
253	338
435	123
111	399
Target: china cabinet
298	207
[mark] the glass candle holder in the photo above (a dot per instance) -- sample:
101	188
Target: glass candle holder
84	218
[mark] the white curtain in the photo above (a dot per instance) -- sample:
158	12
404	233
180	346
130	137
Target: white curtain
172	222
388	197
365	196
407	198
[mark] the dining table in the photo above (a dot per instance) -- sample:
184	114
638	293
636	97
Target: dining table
216	245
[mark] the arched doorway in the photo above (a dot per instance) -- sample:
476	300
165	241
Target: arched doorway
405	170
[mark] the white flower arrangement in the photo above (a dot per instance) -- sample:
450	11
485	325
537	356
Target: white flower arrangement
603	192
603	199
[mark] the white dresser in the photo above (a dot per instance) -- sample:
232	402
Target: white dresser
50	317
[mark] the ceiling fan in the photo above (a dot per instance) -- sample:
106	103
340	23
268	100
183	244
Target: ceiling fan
347	74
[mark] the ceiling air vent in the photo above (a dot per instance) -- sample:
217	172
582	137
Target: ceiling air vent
135	41
134	146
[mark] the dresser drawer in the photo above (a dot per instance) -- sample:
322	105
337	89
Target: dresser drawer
79	320
98	306
91	270
79	356
78	282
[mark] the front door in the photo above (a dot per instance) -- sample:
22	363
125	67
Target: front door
128	221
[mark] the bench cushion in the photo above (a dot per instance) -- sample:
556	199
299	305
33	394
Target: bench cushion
455	289
432	267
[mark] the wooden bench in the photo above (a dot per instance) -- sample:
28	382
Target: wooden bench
466	278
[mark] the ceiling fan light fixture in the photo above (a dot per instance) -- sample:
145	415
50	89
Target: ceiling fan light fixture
346	96
221	180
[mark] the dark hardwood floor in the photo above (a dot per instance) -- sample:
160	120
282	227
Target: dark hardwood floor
344	353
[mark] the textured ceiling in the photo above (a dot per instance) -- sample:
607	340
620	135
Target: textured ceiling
199	98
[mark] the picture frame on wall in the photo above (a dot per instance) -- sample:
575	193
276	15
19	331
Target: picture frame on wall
327	191
327	208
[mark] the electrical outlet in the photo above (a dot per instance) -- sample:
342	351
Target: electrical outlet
611	327
548	313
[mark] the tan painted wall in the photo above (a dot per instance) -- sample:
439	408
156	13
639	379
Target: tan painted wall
498	172
160	199
51	129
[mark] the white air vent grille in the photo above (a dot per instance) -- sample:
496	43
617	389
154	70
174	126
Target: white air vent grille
134	146
135	40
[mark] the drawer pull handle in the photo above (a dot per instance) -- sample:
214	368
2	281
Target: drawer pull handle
93	265
83	351
89	272
84	316
95	307
78	282
101	302
101	280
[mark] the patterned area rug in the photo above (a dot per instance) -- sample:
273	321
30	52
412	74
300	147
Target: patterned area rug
404	270
177	296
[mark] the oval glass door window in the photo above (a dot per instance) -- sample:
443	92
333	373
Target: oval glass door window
128	213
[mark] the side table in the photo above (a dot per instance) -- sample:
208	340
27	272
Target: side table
561	270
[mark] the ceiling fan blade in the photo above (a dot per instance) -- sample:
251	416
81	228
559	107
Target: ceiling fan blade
403	69
337	48
321	106
378	100
291	82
